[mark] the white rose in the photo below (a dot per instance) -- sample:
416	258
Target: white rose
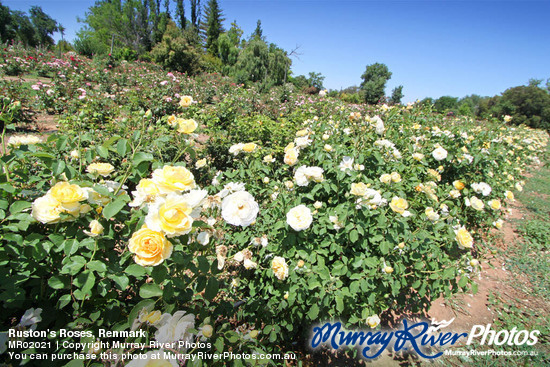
299	217
175	328
439	154
240	209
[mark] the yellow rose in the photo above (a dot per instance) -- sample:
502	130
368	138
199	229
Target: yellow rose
291	157
149	247
495	204
399	205
464	238
250	147
96	229
200	163
395	177
172	120
359	189
103	169
477	204
388	269
301	132
279	267
458	185
207	331
171	215
187	126
173	179
301	263
148	187
385	178
149	317
47	210
509	195
66	193
186	101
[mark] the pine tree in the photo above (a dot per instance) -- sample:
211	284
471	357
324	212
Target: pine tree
195	12
180	14
212	26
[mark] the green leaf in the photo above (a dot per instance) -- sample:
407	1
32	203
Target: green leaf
58	167
142	157
150	290
70	247
339	304
73	265
103	152
211	289
136	270
115	206
313	312
121	281
59	282
110	142
384	247
462	282
18	206
122	147
97	266
204	266
353	236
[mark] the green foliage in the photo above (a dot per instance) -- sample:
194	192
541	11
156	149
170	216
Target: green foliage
212	26
374	82
175	53
446	104
44	25
396	95
529	105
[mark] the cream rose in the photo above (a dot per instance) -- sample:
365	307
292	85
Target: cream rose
464	238
150	248
299	217
171	215
359	189
399	205
173	179
279	267
240	209
96	229
47	209
291	156
373	321
103	169
186	101
187	126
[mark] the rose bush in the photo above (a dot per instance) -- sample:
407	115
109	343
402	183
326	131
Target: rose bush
129	219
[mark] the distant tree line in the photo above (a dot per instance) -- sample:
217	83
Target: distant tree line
526	104
32	30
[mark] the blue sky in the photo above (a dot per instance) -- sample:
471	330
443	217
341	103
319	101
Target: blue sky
433	48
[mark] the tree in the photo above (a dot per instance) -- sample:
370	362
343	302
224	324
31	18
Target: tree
374	82
212	26
6	24
44	26
24	29
445	104
175	53
258	32
180	14
528	105
195	13
396	95
315	80
132	23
